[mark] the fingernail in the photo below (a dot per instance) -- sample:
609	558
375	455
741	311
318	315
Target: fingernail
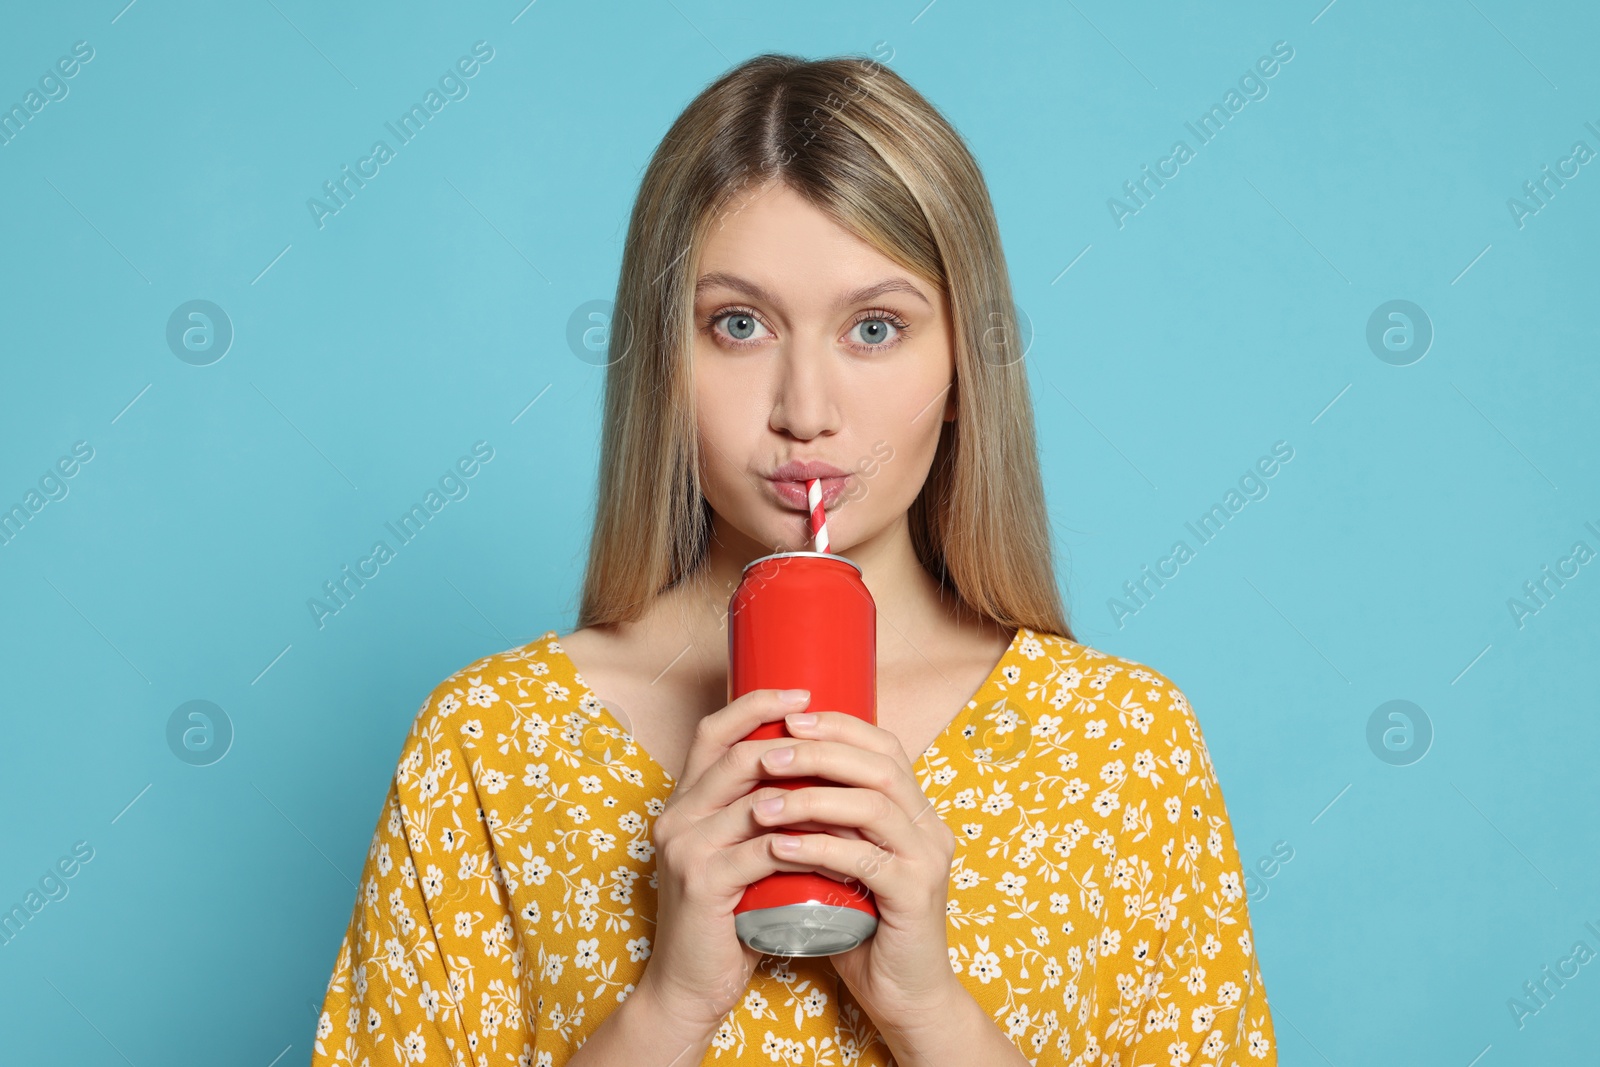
770	806
780	757
802	721
796	697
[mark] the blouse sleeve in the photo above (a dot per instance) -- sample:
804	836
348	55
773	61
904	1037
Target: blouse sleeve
429	971
1204	1003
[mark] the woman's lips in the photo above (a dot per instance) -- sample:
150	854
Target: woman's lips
793	494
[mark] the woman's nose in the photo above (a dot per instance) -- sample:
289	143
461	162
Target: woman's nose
804	404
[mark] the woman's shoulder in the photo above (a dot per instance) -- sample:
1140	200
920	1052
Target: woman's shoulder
537	674
1066	679
1043	655
544	655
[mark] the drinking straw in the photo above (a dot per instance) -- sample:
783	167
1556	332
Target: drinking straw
819	518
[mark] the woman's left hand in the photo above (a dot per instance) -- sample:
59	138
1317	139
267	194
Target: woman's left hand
900	975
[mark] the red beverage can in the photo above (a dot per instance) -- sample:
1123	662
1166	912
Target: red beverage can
804	620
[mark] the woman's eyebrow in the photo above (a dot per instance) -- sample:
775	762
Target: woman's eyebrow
857	296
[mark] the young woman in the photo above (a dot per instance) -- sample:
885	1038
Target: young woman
813	286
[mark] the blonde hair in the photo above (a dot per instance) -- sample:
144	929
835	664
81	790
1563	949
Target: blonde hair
854	139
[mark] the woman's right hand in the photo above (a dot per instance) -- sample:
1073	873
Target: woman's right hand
709	847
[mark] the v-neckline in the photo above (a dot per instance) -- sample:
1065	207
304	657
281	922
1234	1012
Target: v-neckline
1006	659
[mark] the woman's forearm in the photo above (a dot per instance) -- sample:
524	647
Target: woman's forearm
961	1033
643	1033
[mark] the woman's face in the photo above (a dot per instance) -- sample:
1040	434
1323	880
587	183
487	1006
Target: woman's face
812	347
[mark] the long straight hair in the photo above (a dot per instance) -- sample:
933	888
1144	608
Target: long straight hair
855	140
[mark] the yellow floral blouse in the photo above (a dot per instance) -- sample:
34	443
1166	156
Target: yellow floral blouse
1096	911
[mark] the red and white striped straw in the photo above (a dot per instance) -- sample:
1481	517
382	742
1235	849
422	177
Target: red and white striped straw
819	518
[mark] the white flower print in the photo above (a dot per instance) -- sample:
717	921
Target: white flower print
600	841
428	1000
997	802
535	870
985	966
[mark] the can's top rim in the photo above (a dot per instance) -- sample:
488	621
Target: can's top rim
824	555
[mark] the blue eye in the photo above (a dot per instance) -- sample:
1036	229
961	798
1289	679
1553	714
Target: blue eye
874	331
741	326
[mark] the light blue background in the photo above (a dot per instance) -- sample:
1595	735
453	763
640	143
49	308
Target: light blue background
1228	314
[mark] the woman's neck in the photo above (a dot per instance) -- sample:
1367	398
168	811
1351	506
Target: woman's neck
915	614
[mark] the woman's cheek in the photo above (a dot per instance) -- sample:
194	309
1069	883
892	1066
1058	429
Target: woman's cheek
717	413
